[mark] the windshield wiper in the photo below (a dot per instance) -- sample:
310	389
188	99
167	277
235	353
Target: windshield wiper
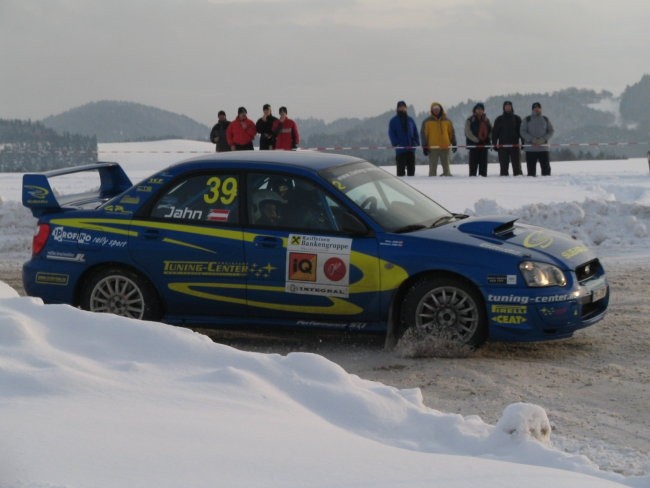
409	228
443	220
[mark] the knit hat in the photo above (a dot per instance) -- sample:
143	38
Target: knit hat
283	110
477	106
221	112
242	110
266	107
401	103
537	105
507	102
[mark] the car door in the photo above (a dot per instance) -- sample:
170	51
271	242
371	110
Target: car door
190	244
304	269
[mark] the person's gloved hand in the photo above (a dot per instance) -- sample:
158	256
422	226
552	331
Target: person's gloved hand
425	151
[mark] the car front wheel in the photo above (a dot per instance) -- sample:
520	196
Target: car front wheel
121	292
445	308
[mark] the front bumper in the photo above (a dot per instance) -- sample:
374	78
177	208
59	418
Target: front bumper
546	315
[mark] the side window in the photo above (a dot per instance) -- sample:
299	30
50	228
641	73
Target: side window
288	202
212	198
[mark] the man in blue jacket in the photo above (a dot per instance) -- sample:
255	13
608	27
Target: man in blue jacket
404	136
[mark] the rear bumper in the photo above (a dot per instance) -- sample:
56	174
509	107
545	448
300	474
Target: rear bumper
56	285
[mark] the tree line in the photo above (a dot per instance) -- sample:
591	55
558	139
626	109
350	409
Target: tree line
30	146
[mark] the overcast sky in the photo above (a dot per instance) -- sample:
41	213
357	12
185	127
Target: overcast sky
320	58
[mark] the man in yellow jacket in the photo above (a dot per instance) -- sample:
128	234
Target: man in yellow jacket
438	136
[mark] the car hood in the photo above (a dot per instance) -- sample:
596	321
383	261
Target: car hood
505	234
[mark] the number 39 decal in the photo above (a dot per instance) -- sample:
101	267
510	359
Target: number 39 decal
224	191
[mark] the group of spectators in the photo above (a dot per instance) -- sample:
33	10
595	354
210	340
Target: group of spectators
507	137
509	134
239	134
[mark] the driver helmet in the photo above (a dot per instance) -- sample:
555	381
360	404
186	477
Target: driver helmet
264	197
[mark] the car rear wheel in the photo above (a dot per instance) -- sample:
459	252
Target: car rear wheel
445	308
121	292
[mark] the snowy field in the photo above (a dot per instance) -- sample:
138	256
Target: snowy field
98	401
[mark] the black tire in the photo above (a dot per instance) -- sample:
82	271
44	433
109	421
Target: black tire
122	292
445	308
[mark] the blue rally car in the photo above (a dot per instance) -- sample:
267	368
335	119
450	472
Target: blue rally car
303	239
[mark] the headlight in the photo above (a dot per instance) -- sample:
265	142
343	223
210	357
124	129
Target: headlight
542	274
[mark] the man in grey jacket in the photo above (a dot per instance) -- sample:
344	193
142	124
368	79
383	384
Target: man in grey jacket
536	131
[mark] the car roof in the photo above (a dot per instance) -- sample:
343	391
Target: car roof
304	159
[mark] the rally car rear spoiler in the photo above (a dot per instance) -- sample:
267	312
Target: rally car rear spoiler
40	197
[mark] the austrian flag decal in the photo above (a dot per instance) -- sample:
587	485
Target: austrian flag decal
219	215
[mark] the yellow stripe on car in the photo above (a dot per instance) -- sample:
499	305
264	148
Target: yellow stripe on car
337	306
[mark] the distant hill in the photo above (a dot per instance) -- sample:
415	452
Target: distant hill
114	121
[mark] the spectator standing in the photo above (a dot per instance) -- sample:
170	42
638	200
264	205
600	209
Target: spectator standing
536	131
264	127
438	136
218	133
241	132
403	134
478	132
286	132
505	139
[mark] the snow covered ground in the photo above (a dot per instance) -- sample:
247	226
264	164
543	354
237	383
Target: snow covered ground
100	401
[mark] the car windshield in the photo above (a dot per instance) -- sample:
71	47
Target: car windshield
389	201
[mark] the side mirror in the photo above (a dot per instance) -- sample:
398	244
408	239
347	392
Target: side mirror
351	224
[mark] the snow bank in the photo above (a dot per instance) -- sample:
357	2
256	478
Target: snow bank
611	227
96	400
18	227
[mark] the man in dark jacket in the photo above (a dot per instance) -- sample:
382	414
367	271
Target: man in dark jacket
478	130
505	139
218	133
264	127
403	134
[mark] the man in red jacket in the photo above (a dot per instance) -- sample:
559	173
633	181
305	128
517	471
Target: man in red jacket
286	132
241	132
